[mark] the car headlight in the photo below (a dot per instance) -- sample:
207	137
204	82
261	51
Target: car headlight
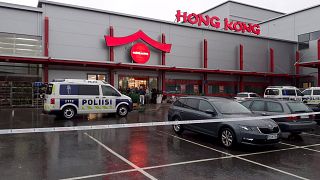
247	128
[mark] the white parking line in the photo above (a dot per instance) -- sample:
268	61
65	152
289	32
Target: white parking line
304	147
241	158
187	162
314	150
99	175
288	144
148	168
265	152
312	145
196	161
196	143
122	158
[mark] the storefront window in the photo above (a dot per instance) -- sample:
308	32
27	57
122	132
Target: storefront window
303	40
306	85
137	82
153	83
18	44
189	87
222	89
101	77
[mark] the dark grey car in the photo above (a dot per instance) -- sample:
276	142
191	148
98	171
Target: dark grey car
258	132
270	107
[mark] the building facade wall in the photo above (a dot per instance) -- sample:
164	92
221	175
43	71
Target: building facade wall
244	13
239	12
289	27
20	21
63	72
79	34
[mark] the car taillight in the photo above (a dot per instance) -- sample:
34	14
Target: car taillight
52	101
292	118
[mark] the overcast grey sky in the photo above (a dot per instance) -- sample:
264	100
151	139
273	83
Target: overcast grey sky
166	9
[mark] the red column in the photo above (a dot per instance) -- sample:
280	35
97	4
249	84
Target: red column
111	53
45	73
205	53
111	77
297	62
241	65
271	60
318	76
297	67
163	54
205	78
46	49
205	65
163	81
241	57
46	36
271	64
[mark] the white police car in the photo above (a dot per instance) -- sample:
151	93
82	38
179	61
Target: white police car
69	97
311	96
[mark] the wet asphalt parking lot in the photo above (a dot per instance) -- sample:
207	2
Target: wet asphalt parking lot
144	152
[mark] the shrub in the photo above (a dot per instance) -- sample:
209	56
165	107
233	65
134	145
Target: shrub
135	97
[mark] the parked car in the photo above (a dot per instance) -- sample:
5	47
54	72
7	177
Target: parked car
68	97
283	92
245	95
257	132
311	96
270	107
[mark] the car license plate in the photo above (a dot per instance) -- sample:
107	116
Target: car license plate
271	136
304	117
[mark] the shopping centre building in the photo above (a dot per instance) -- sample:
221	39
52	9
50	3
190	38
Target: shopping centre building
229	48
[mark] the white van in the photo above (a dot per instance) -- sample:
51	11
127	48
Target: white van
311	96
69	97
283	92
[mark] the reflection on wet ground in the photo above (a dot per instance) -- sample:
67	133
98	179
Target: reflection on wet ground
156	151
34	118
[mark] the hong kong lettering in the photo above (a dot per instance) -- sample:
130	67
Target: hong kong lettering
214	21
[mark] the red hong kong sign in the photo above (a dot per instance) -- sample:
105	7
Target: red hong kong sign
214	22
140	53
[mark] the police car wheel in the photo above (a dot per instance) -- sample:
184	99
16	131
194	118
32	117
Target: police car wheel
69	112
122	110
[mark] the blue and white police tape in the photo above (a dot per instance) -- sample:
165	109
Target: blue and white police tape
147	124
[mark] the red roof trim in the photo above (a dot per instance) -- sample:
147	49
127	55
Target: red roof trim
118	41
49	61
312	64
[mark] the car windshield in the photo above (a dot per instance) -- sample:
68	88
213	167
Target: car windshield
272	92
288	92
297	107
242	95
306	92
230	107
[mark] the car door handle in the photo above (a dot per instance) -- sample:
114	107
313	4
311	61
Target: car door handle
264	114
104	97
97	97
